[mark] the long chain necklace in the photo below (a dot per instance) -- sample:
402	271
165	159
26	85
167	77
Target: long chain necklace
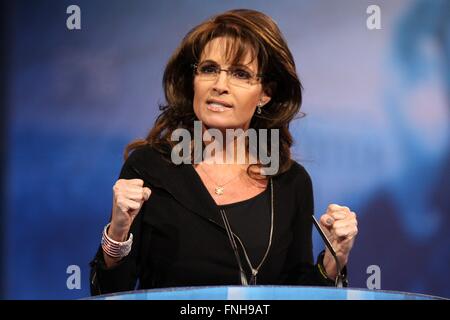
219	189
231	237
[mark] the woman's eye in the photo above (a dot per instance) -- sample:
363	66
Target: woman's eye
208	69
241	74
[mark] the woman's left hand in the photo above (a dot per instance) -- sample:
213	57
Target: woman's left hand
340	226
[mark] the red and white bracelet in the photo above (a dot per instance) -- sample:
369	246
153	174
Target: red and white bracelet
115	249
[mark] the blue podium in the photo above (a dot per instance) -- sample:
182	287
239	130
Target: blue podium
263	293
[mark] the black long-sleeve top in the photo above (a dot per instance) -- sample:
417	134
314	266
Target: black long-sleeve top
180	238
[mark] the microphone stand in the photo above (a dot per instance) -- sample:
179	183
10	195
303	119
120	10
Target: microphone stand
340	278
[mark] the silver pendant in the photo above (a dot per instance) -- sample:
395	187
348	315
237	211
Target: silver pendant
219	190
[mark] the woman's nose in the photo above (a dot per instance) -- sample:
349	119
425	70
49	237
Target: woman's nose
221	83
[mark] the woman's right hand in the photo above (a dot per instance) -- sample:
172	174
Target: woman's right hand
128	198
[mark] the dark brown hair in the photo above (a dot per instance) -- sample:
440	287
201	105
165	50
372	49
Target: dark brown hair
246	29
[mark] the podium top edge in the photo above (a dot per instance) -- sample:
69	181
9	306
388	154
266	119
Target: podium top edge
271	289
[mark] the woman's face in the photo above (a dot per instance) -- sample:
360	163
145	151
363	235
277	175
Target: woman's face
219	103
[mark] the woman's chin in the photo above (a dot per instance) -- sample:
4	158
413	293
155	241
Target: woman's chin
218	122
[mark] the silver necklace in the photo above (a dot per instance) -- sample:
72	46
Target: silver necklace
219	189
231	237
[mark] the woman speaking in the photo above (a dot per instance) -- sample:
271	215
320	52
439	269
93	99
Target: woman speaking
220	217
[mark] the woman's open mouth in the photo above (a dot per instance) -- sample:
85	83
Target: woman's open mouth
217	105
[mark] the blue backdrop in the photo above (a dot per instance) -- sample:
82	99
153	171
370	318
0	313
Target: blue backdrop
376	135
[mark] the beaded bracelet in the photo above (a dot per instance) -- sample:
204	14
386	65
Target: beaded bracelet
115	249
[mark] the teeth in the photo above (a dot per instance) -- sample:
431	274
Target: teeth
216	107
218	104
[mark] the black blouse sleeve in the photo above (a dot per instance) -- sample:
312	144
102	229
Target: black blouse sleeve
303	270
124	275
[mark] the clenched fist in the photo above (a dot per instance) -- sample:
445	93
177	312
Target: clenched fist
128	198
340	227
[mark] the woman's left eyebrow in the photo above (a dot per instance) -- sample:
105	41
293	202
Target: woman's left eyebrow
242	66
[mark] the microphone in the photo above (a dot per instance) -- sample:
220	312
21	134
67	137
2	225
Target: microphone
340	278
242	275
